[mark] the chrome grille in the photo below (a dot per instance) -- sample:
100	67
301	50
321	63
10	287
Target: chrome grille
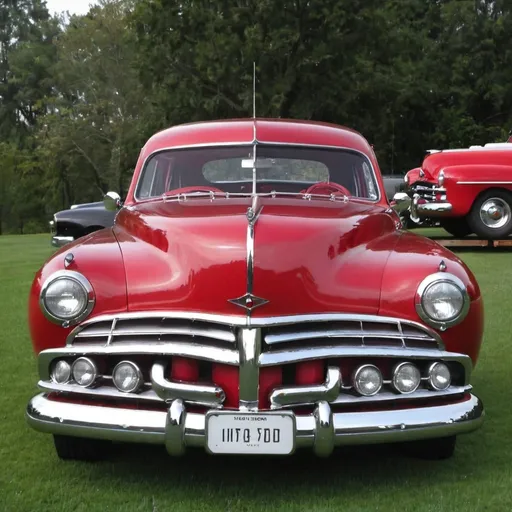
151	329
427	191
360	332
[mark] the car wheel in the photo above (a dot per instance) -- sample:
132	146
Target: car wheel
432	449
78	448
457	227
491	214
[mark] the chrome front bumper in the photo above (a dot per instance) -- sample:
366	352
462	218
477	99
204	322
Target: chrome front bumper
428	209
320	431
60	241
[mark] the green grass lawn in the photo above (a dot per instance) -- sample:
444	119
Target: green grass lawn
140	478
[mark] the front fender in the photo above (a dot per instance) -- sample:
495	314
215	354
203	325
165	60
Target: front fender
414	258
98	258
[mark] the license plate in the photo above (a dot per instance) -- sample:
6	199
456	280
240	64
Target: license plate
250	433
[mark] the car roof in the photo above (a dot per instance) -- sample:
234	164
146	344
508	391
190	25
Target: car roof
247	131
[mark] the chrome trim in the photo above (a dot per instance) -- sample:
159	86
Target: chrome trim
324	435
430	381
241	320
94	372
391	396
442	266
393	380
202	394
250	348
138	384
440	277
192	350
275	358
250	301
61	241
440	178
184	429
99	391
86	286
259	143
175	424
428	209
328	391
484	182
356	384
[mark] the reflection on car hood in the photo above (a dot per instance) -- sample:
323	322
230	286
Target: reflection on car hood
309	256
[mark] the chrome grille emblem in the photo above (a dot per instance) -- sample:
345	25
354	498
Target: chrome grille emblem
248	301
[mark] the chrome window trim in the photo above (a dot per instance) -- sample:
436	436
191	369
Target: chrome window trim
252	144
83	282
426	283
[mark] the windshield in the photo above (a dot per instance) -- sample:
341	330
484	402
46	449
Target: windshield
276	169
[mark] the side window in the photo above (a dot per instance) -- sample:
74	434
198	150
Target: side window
145	185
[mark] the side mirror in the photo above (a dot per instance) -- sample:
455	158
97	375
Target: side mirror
401	202
112	201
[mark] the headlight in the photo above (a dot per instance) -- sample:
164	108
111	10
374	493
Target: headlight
61	372
406	378
439	376
367	380
66	297
84	372
127	377
442	300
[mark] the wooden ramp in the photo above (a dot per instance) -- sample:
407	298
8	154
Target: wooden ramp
472	242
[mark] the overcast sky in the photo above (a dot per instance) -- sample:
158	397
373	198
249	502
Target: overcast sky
73	6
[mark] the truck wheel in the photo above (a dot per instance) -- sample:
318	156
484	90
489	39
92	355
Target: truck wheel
78	448
432	449
491	214
457	227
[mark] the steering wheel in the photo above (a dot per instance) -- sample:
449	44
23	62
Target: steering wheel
325	187
194	188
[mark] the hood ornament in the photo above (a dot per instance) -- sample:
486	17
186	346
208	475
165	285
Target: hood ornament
248	302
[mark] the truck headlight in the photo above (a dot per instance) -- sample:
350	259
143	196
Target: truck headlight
66	298
442	300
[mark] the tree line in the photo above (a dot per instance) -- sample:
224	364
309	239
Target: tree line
80	95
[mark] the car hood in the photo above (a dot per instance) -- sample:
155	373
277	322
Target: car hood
308	256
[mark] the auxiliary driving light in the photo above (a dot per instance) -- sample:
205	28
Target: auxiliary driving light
84	372
439	376
406	378
61	372
367	380
127	377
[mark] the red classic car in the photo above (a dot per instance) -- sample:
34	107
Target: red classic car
255	295
467	190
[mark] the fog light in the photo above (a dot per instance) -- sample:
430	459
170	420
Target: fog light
61	372
439	376
406	378
367	380
84	372
127	377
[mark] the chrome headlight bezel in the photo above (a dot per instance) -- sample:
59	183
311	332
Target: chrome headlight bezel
437	278
83	282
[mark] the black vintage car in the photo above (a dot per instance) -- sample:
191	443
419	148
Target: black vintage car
79	220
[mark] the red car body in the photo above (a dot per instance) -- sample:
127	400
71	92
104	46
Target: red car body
468	190
257	305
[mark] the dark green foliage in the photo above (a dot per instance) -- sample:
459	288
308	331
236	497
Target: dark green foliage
78	100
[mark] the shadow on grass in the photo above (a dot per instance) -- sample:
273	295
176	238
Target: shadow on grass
348	467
